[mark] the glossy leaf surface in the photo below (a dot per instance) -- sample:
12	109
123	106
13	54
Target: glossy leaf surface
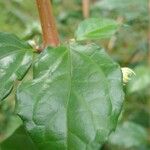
94	28
15	59
75	99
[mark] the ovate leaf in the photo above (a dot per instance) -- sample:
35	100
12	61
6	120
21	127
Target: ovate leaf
95	28
129	135
15	59
75	99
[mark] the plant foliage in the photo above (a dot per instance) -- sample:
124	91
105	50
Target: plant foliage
15	60
71	102
77	88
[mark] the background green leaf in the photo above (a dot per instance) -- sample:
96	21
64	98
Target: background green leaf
72	101
95	28
129	9
18	141
129	135
140	82
13	124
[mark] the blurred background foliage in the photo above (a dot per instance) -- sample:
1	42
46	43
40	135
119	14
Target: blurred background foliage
130	47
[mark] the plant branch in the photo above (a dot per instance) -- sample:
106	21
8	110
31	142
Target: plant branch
148	32
49	29
86	8
113	39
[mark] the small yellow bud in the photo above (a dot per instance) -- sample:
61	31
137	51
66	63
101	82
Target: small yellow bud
127	73
32	43
72	40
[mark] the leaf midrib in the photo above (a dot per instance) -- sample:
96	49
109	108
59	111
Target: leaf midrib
70	77
69	93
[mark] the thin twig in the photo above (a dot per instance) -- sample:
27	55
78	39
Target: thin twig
112	41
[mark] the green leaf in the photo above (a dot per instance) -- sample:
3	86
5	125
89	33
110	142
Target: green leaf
13	124
140	82
15	59
125	8
75	99
94	28
20	140
129	135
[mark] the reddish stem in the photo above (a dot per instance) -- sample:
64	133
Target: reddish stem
86	8
148	32
49	29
